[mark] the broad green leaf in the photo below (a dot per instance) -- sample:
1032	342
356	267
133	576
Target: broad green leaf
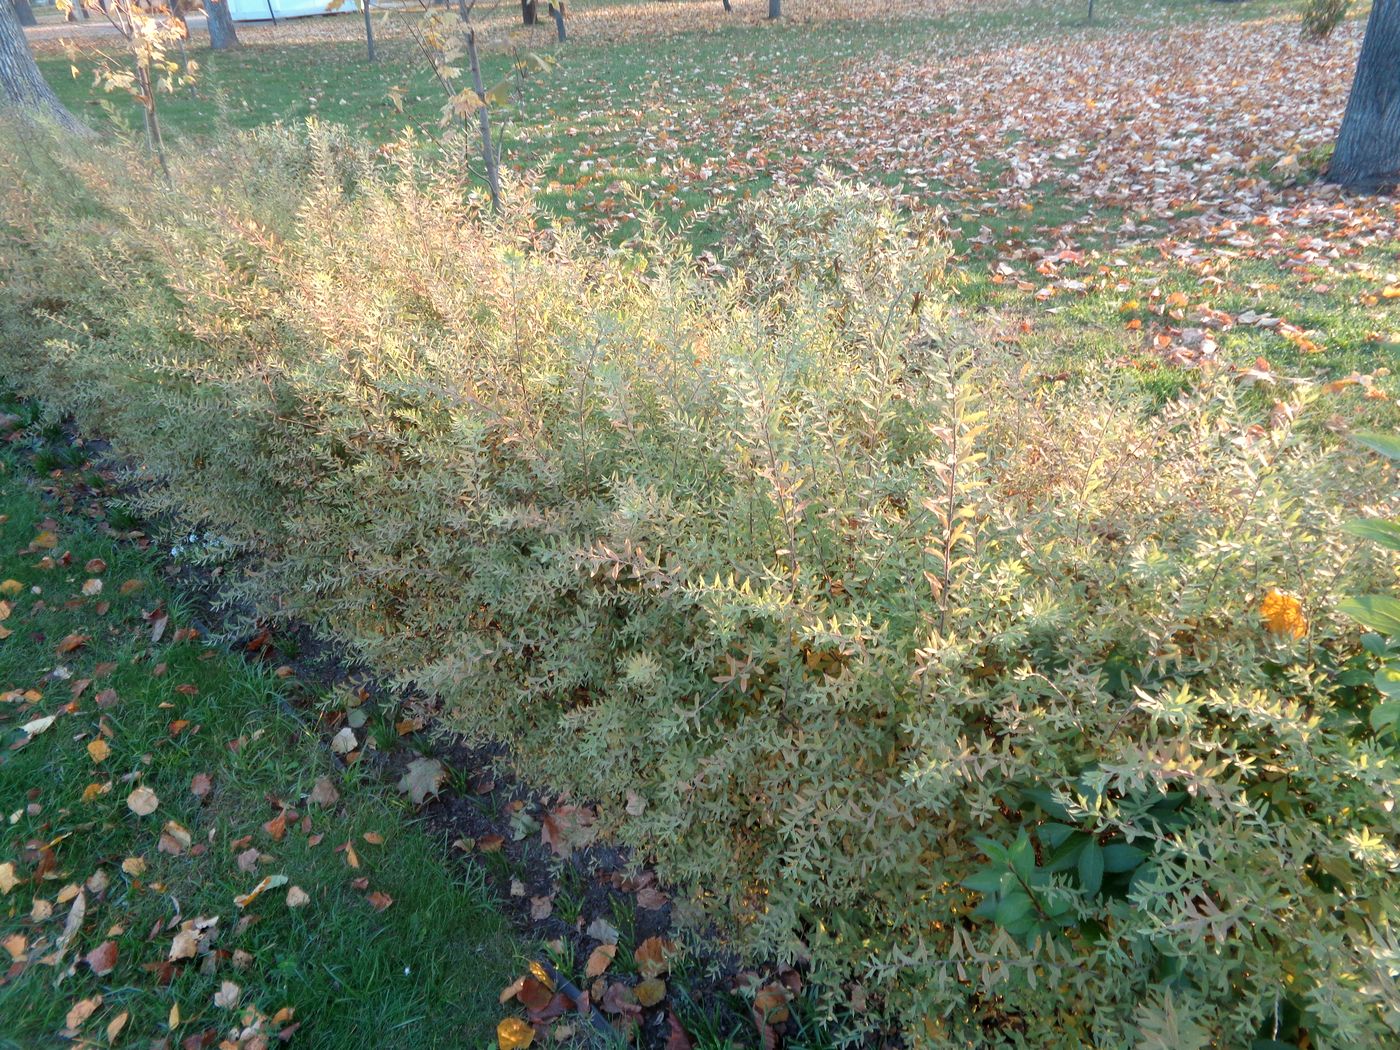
1377	530
1387	681
984	882
1385	716
1376	611
1387	445
1091	868
1022	856
1122	857
1015	907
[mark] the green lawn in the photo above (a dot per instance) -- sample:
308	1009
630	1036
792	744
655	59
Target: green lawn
131	713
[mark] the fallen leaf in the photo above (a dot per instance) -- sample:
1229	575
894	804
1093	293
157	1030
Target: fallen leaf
92	587
379	901
227	996
143	801
323	793
344	742
297	897
201	784
602	930
424	778
115	1026
98	749
102	959
268	882
600	959
72	643
80	1011
277	826
651	991
653	956
514	1034
37	726
8	879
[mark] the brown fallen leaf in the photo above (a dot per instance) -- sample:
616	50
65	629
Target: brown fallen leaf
226	998
653	956
72	642
201	784
102	959
277	826
323	793
297	897
600	959
379	900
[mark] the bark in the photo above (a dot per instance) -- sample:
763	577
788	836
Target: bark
727	7
488	153
369	33
1367	156
557	10
528	13
775	8
25	13
222	35
22	87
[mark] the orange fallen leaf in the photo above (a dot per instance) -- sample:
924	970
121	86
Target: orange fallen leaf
514	1034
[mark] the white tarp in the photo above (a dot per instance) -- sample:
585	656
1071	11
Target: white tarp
266	10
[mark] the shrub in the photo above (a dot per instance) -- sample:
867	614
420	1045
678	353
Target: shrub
1320	17
1017	711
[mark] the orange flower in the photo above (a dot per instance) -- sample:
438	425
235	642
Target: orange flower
1283	613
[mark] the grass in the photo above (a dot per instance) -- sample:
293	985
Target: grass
425	971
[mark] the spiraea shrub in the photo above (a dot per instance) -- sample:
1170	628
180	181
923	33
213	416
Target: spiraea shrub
1017	711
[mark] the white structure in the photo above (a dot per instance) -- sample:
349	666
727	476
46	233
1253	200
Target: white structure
268	10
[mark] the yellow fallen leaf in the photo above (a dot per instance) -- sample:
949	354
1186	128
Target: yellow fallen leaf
514	1034
115	1026
9	588
174	1019
269	882
8	880
98	750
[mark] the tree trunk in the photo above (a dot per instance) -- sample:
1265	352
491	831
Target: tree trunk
488	152
25	13
222	35
22	87
727	7
369	33
557	10
775	8
527	12
1367	156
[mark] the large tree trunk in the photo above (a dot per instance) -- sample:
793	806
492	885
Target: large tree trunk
25	13
222	35
22	87
528	14
775	8
1367	156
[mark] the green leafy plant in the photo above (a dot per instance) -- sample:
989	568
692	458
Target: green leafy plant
1006	705
1380	612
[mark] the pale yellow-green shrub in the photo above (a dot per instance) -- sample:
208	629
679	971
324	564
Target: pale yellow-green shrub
948	683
